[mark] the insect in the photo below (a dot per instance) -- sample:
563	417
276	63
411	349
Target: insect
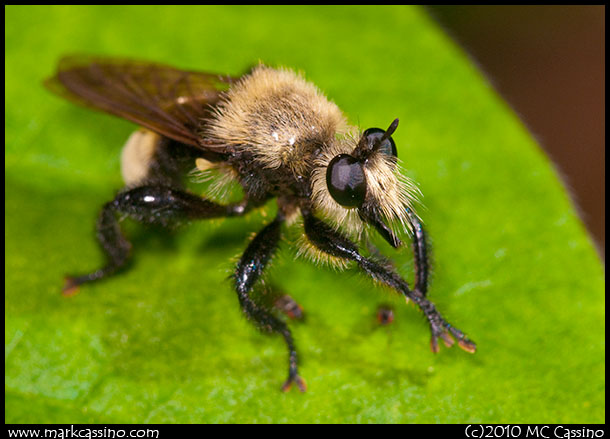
278	137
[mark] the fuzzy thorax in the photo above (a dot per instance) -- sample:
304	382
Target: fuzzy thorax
285	123
278	117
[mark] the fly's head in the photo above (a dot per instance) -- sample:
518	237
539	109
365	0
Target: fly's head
358	182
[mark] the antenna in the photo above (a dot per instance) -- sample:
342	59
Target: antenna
386	135
389	131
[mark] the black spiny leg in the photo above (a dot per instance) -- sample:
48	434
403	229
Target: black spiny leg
248	271
420	252
328	240
151	204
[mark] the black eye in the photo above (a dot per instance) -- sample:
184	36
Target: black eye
373	135
346	181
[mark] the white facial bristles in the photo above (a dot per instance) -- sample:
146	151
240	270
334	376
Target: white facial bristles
387	189
391	190
277	116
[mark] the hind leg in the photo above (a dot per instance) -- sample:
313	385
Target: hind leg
149	204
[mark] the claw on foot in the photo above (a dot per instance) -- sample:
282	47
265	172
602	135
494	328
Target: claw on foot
70	286
467	345
448	340
297	379
463	341
434	345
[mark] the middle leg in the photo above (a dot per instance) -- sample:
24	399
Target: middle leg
249	269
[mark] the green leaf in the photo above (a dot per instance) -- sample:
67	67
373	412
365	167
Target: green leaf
166	341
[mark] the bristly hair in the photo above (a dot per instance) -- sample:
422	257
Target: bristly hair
387	188
289	103
306	249
222	179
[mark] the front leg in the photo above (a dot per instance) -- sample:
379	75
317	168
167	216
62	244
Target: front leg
248	271
328	240
420	253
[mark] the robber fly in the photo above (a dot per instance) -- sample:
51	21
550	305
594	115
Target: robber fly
277	136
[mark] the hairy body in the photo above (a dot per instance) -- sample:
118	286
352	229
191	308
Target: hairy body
277	136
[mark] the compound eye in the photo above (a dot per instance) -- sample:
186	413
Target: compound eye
346	181
373	135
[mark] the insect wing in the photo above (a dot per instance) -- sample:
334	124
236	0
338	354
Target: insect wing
164	99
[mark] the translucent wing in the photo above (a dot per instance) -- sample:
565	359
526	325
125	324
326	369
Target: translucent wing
164	99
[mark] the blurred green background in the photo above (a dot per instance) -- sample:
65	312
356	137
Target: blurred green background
165	341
